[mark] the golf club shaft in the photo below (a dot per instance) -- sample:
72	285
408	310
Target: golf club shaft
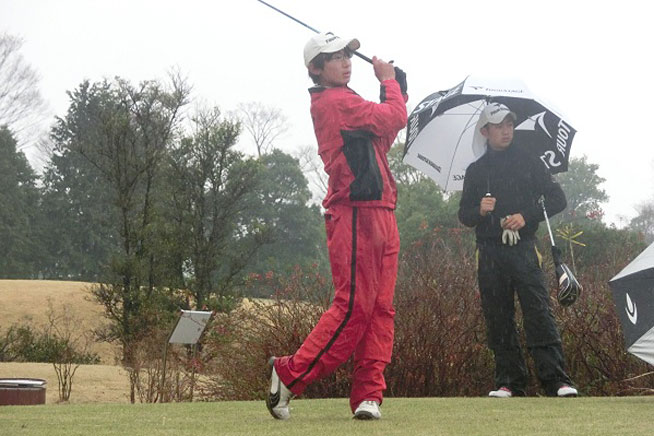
547	221
356	53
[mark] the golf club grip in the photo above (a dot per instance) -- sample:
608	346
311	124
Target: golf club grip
364	57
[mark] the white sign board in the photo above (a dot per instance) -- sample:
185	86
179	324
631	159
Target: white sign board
190	326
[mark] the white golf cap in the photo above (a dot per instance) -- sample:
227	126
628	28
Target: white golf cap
494	113
327	43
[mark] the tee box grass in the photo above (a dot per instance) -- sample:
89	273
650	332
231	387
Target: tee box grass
332	417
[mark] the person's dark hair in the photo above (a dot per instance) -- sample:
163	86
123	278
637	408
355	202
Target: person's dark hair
319	62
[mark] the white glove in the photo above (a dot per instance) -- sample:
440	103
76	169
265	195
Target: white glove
510	237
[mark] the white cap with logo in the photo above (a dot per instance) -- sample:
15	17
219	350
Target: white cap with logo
494	113
327	43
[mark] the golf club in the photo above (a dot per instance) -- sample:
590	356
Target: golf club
364	57
569	287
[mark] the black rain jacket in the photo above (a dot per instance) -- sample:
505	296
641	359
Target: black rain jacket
517	179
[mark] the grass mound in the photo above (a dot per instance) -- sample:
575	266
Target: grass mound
27	301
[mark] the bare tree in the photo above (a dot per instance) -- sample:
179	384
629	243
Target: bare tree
21	104
264	124
312	167
70	346
644	221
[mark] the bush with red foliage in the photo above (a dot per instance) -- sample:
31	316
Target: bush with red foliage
439	327
440	347
590	329
242	341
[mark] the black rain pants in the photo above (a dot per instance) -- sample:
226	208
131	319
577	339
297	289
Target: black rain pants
504	271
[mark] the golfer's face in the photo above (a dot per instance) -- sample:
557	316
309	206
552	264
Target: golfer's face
499	135
337	70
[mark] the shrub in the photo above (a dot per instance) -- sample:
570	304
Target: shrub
440	345
60	342
241	342
137	316
147	368
24	343
439	330
590	329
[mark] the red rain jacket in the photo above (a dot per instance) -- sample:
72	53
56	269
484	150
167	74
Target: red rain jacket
354	136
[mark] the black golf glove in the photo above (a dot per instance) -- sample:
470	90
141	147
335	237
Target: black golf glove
400	76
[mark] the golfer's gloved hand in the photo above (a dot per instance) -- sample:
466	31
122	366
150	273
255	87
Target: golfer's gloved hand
509	237
400	76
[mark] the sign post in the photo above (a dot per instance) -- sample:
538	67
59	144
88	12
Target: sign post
189	328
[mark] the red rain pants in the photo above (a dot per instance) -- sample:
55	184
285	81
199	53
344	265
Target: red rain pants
363	246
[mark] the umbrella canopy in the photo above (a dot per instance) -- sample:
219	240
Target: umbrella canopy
443	138
633	294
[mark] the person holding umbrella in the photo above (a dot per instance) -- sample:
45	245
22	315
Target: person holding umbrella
500	199
354	136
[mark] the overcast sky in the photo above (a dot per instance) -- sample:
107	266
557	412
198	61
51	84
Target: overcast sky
592	60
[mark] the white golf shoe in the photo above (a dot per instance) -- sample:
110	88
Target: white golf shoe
279	396
502	392
566	391
367	410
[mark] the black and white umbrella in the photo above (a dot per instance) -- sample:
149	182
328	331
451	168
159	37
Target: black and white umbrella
442	138
633	294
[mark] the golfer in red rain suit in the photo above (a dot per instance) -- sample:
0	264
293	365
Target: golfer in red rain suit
353	136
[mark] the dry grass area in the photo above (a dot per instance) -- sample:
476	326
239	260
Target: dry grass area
91	384
27	301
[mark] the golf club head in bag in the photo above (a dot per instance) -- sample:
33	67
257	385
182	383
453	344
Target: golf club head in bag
569	287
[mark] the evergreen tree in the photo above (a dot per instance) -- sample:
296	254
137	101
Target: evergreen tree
297	228
19	196
207	209
581	185
79	232
123	133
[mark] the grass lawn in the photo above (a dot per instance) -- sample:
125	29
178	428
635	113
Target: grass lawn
401	416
